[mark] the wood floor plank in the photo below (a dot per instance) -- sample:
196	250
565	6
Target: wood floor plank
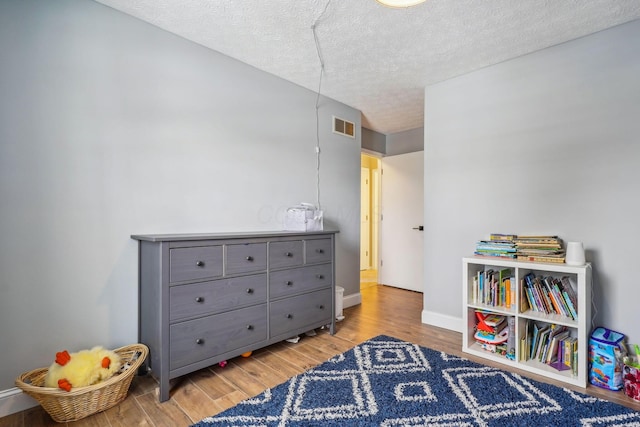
166	414
13	420
212	384
239	378
260	371
283	366
295	358
230	400
98	420
195	403
37	416
128	413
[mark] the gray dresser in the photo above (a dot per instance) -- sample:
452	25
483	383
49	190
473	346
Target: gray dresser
205	298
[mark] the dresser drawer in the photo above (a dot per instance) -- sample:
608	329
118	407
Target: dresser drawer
296	312
285	254
318	250
216	296
295	280
200	262
196	340
245	258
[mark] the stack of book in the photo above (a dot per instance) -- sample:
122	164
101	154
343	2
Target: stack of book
498	245
495	288
551	295
550	344
539	249
492	332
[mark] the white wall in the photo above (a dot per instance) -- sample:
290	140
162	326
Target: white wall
111	127
545	143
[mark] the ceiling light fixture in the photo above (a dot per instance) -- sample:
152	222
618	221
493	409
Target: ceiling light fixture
400	3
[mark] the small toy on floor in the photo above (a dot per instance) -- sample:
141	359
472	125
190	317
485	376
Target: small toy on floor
84	368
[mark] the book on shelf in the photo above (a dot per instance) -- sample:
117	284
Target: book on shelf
498	246
540	258
495	248
504	297
493	288
550	344
543	336
525	303
563	299
486	254
552	354
537	240
511	339
547	295
502	237
571	295
534	340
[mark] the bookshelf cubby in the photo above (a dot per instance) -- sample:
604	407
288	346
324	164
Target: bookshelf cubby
519	309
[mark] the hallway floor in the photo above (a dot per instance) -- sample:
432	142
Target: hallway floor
368	278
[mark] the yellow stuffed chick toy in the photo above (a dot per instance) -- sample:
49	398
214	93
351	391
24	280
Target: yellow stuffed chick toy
86	367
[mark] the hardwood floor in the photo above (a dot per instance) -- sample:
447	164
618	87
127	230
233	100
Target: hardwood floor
384	310
368	278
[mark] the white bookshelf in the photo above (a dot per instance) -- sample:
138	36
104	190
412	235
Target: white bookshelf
580	328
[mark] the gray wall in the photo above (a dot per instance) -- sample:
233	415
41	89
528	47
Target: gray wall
374	141
408	141
545	143
111	127
393	144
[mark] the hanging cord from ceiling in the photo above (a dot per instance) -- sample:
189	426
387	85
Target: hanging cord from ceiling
319	52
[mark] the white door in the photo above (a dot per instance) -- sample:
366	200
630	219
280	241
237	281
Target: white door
401	239
365	220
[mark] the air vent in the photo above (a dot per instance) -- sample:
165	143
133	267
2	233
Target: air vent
344	127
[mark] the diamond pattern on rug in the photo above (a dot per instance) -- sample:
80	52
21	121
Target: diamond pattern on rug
389	382
417	390
514	396
351	396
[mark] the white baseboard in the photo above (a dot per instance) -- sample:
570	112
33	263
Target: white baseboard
351	300
442	320
14	400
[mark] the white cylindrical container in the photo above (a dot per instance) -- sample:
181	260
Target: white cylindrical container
339	302
575	253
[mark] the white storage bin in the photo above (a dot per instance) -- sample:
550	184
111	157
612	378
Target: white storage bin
339	302
303	217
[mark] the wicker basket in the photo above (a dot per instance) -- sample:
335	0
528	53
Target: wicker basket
81	402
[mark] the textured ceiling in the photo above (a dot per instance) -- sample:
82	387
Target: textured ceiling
377	59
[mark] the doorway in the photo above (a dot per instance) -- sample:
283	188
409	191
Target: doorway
401	255
369	219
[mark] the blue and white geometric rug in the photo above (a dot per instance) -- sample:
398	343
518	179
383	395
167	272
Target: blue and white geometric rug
389	382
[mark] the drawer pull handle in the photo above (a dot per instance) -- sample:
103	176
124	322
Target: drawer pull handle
199	341
249	327
288	254
319	276
320	251
199	299
289	316
249	258
321	307
288	283
200	263
249	291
